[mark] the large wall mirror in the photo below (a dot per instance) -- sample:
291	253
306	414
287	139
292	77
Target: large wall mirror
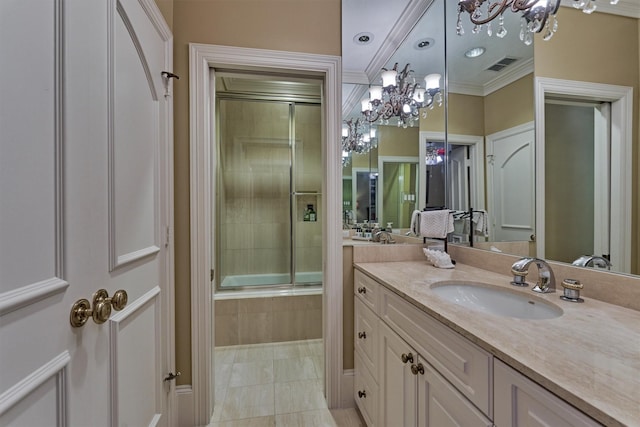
541	137
386	183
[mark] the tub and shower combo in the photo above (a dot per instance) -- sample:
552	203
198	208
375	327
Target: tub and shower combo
268	211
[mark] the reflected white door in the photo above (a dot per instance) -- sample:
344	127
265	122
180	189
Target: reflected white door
511	178
459	178
85	205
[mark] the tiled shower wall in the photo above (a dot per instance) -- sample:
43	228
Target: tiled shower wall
268	319
254	192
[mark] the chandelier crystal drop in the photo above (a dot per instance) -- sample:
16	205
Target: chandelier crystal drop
537	15
401	97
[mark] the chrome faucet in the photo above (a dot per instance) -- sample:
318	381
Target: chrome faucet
383	237
594	260
546	279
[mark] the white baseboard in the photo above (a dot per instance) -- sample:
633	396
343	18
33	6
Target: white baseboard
184	395
346	389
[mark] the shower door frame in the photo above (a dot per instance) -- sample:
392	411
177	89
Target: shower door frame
292	102
203	59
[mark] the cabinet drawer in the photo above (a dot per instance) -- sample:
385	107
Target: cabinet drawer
366	289
365	392
520	401
366	335
465	365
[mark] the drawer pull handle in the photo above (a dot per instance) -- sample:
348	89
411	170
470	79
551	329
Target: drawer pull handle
362	335
417	369
407	358
362	290
362	393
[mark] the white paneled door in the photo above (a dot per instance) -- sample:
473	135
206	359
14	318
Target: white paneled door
510	189
85	204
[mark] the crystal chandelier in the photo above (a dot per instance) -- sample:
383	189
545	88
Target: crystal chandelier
400	96
537	15
358	137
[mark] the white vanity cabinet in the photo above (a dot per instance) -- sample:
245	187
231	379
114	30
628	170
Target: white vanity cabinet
366	324
392	337
521	402
412	370
412	393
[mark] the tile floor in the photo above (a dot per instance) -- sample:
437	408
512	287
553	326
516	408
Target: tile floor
275	384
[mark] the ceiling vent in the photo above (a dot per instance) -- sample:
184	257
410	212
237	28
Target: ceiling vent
500	65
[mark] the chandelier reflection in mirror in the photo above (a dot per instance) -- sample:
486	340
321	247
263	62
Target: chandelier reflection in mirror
400	96
537	15
358	137
434	154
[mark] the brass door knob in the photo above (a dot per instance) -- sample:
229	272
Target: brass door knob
81	311
407	358
417	369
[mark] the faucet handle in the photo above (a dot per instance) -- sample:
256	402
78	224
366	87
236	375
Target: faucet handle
519	278
572	290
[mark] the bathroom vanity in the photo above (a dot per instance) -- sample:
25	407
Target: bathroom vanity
423	360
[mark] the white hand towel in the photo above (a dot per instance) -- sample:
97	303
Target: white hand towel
415	223
436	224
481	221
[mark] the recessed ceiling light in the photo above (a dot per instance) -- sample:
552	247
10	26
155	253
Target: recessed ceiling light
363	38
474	52
423	44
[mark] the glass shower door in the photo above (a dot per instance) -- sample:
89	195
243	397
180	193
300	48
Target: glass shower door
307	194
253	200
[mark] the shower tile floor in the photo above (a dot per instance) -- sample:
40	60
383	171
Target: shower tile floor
274	384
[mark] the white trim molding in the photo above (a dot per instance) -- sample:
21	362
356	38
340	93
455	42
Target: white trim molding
621	99
55	367
202	59
150	300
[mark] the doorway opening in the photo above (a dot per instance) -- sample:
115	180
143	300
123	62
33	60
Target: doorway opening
618	151
205	62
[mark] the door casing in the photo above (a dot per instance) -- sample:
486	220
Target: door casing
203	58
621	99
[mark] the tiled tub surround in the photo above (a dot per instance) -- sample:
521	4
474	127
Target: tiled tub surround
267	319
589	356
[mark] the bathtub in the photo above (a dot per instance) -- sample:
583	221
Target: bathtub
253	315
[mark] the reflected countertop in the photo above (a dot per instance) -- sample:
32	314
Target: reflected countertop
589	356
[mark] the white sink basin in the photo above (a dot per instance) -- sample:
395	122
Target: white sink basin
496	300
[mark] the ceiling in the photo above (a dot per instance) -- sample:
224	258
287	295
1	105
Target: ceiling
395	26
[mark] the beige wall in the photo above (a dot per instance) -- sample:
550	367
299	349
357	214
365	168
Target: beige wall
466	114
166	8
395	141
509	106
589	53
288	25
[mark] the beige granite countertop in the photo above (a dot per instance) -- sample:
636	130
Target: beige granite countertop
589	356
